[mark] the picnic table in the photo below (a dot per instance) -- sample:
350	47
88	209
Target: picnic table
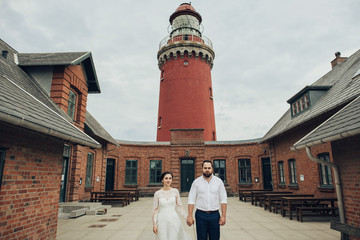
274	200
291	203
134	193
111	197
243	194
259	196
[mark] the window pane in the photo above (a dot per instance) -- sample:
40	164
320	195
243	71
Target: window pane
71	104
155	171
89	168
131	172
244	171
325	171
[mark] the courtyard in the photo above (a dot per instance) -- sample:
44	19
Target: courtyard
244	221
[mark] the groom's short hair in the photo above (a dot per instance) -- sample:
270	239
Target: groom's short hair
207	161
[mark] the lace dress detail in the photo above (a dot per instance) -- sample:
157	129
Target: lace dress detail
167	205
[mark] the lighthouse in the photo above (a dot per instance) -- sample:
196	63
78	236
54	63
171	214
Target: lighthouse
185	59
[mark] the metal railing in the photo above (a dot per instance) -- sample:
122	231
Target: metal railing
185	38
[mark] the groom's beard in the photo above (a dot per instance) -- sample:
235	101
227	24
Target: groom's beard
207	174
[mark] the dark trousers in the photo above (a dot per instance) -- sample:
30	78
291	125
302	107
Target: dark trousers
207	225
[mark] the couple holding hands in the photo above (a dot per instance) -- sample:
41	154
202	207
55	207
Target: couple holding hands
207	194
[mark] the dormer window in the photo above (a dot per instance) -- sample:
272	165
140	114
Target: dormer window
307	97
72	105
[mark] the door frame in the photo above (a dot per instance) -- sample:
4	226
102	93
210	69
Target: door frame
181	172
106	173
270	170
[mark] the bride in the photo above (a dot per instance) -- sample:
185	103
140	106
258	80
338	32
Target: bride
166	222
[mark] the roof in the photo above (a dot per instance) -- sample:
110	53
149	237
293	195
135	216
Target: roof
308	88
344	123
343	90
97	129
65	58
24	103
20	108
123	142
185	9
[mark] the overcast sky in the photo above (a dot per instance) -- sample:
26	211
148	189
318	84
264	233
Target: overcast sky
265	52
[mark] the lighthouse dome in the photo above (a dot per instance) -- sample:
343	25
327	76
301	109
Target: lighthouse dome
185	9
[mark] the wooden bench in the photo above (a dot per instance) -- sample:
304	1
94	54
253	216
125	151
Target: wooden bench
320	211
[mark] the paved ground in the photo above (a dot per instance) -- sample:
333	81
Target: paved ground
244	221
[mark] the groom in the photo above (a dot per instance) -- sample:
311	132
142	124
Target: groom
207	193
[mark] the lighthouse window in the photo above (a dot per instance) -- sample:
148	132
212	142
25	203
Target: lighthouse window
210	91
160	122
186	63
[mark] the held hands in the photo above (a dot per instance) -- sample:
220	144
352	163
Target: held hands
155	230
190	220
222	221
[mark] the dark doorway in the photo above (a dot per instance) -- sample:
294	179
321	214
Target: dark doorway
187	174
64	173
110	174
266	172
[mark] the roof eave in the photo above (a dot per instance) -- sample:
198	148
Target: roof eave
21	122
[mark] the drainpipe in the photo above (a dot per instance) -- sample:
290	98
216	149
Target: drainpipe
337	182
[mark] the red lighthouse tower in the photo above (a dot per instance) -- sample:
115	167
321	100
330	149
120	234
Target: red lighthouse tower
185	60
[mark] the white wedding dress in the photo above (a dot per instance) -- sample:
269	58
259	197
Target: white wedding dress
167	205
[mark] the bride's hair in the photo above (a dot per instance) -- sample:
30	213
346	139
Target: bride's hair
164	173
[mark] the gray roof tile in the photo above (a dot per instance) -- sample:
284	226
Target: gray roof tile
343	90
96	129
344	123
24	103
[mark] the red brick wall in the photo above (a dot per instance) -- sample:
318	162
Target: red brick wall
67	78
184	100
280	151
30	186
346	155
171	155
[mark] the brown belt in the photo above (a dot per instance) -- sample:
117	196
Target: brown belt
208	212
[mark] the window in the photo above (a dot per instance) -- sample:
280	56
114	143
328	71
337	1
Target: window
210	92
281	172
2	163
325	171
131	172
89	169
72	104
244	171
220	169
307	100
155	171
292	171
160	122
294	109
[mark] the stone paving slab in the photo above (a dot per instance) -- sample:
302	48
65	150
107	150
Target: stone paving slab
244	221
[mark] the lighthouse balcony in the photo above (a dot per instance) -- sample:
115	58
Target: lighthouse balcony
188	38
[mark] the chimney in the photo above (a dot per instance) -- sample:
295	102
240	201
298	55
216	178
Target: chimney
4	54
338	59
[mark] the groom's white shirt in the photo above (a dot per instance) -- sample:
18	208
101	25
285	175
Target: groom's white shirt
207	196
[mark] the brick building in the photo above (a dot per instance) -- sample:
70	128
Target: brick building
341	130
51	149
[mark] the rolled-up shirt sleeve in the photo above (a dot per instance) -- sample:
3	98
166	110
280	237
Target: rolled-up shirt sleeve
223	194
192	193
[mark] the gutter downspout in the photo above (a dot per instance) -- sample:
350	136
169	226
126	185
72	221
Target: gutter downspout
337	182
